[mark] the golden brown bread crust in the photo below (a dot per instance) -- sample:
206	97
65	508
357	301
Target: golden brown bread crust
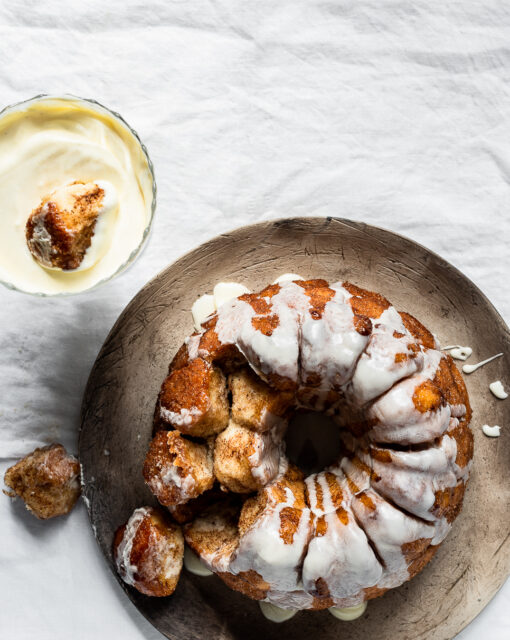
47	480
249	583
194	400
156	553
418	331
364	302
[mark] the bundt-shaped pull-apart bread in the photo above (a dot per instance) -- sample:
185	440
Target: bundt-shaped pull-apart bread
346	534
47	480
148	552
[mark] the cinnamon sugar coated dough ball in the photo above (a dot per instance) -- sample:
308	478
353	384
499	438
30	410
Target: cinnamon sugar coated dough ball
244	460
204	389
254	404
47	480
148	552
60	231
177	469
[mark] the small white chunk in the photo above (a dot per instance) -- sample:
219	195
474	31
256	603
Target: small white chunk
202	308
194	565
276	614
498	390
349	613
225	291
461	353
492	432
287	277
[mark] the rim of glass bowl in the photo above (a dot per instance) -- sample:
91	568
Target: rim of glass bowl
138	249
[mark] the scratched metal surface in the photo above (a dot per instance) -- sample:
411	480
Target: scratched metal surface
119	400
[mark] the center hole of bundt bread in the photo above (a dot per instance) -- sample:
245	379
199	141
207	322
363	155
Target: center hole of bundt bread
312	441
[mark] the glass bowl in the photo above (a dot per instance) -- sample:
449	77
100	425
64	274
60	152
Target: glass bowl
96	106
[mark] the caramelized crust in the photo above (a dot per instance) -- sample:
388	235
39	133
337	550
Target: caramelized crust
418	331
249	583
319	293
428	397
193	399
46	480
366	303
449	380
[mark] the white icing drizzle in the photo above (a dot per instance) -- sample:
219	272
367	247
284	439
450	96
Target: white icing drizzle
377	371
491	432
397	419
469	368
192	343
290	599
184	483
458	352
263	550
331	346
497	389
123	553
194	565
349	613
412	478
265	459
342	556
206	305
276	614
389	531
277	353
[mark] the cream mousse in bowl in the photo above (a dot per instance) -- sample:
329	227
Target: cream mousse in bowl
78	195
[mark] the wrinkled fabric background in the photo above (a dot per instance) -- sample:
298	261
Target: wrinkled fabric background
396	113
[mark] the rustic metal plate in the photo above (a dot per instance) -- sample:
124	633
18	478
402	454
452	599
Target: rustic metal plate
119	401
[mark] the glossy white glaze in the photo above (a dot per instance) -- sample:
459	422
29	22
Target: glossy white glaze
470	368
498	390
492	432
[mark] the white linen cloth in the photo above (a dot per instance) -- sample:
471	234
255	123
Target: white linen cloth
396	113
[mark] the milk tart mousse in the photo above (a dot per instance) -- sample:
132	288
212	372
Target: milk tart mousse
77	193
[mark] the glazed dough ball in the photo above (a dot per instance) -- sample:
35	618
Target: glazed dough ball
46	480
148	552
